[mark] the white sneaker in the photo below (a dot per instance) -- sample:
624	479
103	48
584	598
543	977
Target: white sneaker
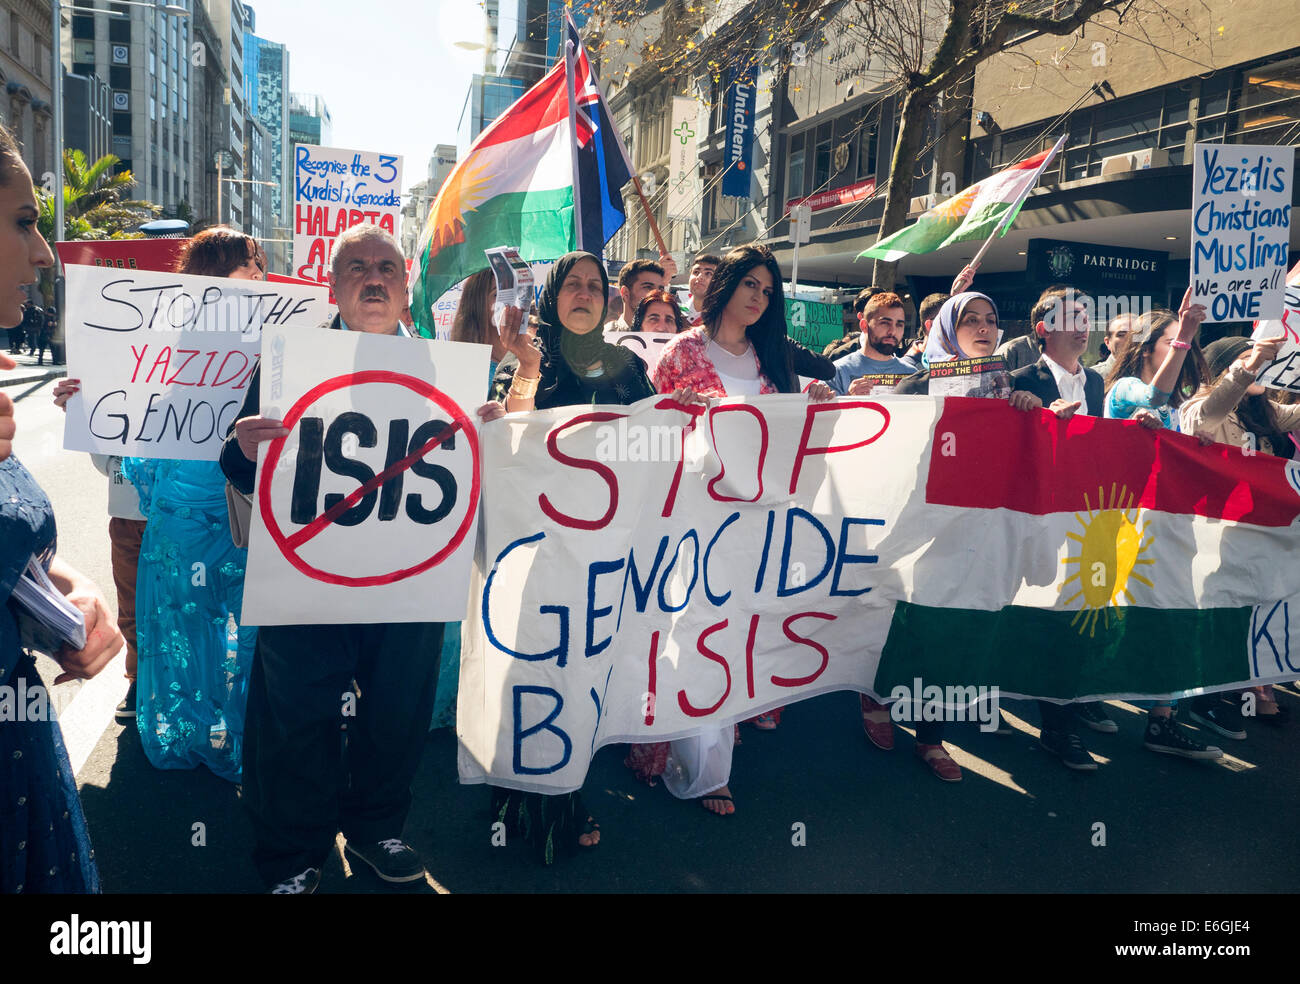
305	883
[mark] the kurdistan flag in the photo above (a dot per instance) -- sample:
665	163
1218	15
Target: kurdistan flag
514	188
636	594
977	212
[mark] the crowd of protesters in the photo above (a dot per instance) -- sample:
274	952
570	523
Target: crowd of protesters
268	714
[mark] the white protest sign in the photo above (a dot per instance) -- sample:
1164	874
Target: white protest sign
683	159
1241	229
1284	371
985	376
164	359
444	308
649	345
333	190
367	511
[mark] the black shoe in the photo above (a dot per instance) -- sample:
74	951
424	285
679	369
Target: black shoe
1091	714
125	713
1167	736
1069	749
304	883
392	860
1221	718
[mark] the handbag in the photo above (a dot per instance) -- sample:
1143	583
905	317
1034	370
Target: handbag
240	508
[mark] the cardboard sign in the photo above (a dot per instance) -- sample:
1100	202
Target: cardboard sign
333	190
366	511
1241	230
986	376
813	324
1284	372
648	345
164	358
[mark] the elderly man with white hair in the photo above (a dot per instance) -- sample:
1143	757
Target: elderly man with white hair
301	785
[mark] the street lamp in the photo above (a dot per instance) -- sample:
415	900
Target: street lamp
56	14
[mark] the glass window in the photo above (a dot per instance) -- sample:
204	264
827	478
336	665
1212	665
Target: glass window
1214	94
1270	102
1176	105
83	26
867	151
822	158
153	64
153	108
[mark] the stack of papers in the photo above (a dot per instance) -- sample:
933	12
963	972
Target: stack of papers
47	622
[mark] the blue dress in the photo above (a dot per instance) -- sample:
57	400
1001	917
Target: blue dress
44	846
195	658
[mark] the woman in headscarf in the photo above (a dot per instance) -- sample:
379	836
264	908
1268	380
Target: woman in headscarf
560	360
966	327
1234	409
571	364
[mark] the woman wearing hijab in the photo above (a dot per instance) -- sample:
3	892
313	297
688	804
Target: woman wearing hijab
966	327
1233	409
561	360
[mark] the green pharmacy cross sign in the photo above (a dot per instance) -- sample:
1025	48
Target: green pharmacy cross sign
685	132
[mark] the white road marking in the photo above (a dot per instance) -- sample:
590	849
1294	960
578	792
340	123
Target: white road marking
91	712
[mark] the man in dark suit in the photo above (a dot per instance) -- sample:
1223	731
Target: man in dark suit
1061	325
300	789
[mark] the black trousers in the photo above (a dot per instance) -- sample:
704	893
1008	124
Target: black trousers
300	785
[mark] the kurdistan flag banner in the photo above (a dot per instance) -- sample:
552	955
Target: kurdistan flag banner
514	187
986	207
658	574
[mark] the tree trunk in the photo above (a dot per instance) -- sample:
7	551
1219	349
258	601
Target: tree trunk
911	137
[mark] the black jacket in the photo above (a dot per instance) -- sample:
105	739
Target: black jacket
1038	379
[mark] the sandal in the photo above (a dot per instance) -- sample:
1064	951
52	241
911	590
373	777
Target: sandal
764	722
720	797
877	723
940	762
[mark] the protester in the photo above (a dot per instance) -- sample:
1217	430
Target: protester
194	656
659	312
1160	368
1112	346
472	323
299	785
966	327
637	279
48	324
701	274
741	350
849	343
1060	320
44	845
571	364
883	324
126	525
28	331
925	315
1234	409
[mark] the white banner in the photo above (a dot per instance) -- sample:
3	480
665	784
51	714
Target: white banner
1241	229
367	511
648	345
647	573
164	359
333	190
1284	372
683	159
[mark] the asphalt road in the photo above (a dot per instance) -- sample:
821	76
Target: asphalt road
871	821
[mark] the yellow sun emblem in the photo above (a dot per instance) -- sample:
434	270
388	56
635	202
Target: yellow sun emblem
959	204
1110	547
463	191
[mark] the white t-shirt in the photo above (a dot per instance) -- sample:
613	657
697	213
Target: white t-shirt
739	373
123	500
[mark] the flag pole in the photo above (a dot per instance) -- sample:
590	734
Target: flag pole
1015	210
649	217
570	55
